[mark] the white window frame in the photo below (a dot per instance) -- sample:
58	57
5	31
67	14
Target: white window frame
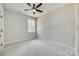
31	25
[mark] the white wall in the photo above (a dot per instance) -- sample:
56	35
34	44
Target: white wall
16	26
58	26
78	27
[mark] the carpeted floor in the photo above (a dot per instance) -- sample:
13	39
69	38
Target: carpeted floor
35	48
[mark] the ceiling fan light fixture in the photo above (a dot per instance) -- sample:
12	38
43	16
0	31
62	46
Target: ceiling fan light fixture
33	10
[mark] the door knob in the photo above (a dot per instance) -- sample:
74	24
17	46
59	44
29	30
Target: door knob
0	35
1	16
1	30
1	44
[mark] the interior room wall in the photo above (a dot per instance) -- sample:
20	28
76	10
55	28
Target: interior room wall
58	26
16	26
78	26
1	27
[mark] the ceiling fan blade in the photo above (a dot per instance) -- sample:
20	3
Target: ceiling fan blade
39	10
39	5
29	4
34	6
27	9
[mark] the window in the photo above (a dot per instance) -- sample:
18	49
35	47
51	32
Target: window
31	25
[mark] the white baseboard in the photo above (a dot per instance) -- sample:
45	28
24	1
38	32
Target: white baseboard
58	43
49	41
15	41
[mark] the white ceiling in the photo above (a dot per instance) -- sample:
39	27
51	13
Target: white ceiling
46	8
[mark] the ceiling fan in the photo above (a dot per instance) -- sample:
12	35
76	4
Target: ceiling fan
34	8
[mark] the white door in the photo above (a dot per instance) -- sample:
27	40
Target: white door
1	27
